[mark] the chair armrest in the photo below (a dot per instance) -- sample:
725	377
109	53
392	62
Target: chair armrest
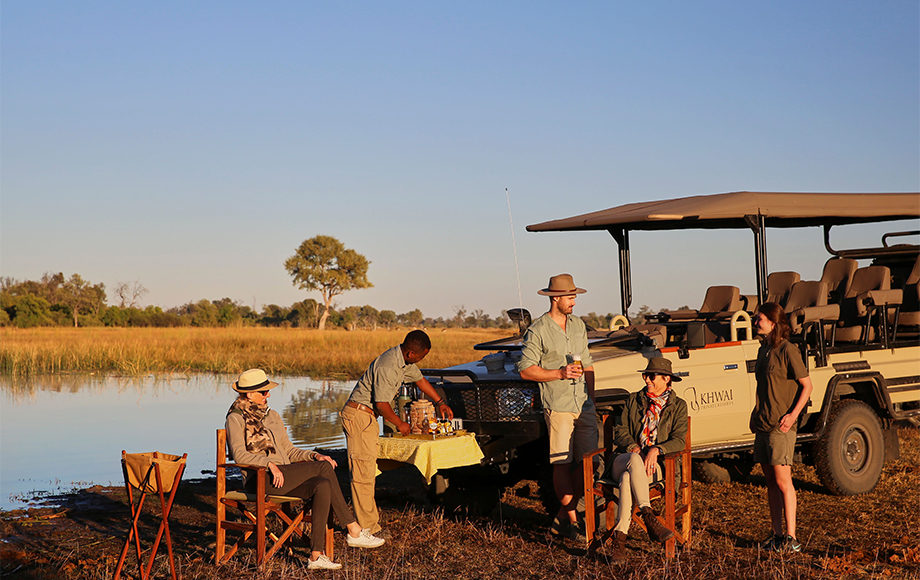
243	466
800	316
877	298
681	314
674	455
591	454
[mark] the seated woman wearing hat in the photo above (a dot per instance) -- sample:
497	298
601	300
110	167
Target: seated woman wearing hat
256	435
653	423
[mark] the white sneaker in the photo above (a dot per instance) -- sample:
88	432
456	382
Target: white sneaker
323	563
364	540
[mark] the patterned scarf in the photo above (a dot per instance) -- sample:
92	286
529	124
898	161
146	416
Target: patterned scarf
258	439
649	435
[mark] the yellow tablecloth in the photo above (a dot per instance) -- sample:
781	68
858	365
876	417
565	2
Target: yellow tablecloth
431	455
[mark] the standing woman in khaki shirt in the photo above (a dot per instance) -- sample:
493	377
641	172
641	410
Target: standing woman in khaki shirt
783	390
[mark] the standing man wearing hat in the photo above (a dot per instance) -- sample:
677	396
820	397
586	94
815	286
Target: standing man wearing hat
551	345
652	424
372	396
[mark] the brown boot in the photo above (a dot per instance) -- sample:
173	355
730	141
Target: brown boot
656	531
618	548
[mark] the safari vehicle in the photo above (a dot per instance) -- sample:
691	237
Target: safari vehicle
858	329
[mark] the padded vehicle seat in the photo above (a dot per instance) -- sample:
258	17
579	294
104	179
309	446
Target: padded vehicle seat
910	306
720	302
779	285
807	302
870	289
838	275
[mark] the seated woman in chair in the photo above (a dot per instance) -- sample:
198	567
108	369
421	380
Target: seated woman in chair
653	423
257	436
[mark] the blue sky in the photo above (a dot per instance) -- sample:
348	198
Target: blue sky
193	145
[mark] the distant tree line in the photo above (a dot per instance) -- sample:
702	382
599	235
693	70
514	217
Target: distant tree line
55	300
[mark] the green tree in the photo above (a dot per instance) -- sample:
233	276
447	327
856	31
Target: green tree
30	310
304	314
323	263
411	319
79	295
387	318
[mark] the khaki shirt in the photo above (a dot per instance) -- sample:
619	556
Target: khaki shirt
777	370
382	379
547	346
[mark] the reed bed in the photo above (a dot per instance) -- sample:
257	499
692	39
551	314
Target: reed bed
133	351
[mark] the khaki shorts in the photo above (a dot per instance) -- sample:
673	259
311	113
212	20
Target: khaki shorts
571	435
775	447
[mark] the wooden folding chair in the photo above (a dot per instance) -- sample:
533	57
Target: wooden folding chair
157	473
255	522
668	488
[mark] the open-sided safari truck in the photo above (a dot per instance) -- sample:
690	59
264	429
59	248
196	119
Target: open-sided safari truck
857	324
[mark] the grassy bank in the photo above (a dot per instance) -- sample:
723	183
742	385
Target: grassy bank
857	537
25	352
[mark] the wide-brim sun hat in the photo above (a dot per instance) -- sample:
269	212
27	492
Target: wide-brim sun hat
561	285
661	366
253	380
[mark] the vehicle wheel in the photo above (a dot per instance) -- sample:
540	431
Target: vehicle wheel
466	492
710	471
850	455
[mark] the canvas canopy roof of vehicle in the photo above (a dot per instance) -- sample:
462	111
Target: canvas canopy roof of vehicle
728	210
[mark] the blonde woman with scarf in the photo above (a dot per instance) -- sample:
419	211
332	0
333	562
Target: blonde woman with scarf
653	423
256	435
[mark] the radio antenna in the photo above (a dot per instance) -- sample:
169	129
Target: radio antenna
514	246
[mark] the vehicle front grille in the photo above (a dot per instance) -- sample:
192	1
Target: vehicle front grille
494	402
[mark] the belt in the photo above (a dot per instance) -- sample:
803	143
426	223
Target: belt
360	407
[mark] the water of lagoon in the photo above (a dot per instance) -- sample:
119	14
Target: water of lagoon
65	431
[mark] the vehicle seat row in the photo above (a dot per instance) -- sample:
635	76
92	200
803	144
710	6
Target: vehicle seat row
909	316
870	290
720	303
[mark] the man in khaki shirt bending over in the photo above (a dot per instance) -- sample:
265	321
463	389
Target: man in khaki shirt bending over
372	396
551	344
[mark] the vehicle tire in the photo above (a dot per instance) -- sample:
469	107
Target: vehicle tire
715	471
466	492
850	455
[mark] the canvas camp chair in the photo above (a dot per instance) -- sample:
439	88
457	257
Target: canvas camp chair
254	509
150	473
674	488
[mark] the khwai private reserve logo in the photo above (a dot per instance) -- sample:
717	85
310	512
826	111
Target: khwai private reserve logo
708	399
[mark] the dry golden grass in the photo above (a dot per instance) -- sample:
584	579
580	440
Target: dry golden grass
844	538
25	352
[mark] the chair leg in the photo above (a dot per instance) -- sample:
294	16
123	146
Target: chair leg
330	547
670	545
588	480
132	532
166	508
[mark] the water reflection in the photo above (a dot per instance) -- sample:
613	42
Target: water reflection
61	431
312	416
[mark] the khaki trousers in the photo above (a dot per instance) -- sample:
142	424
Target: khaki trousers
361	436
629	469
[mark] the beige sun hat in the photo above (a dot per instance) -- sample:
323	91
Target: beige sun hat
253	380
561	285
